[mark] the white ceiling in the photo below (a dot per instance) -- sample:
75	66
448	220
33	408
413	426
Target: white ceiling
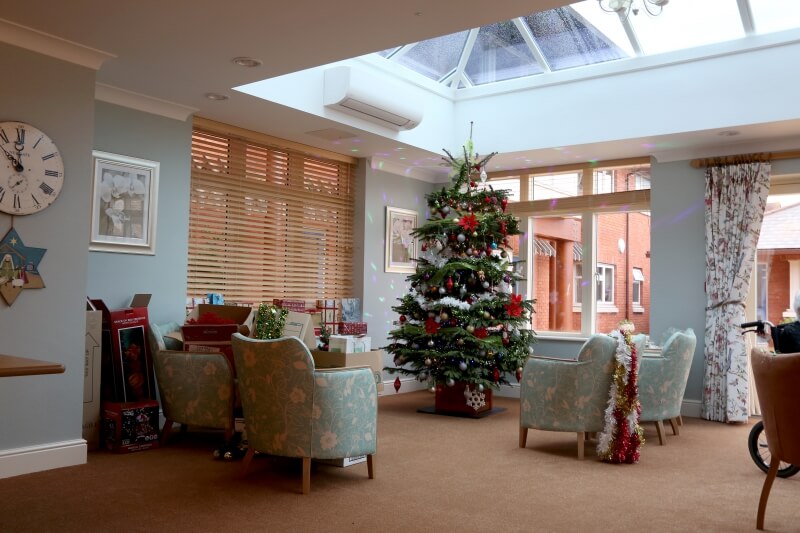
178	50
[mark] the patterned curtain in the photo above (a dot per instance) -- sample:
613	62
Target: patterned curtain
736	196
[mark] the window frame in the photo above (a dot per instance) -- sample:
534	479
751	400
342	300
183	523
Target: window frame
589	206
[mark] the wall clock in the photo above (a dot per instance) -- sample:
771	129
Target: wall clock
31	169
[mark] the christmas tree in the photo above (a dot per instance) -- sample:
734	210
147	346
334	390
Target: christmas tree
460	322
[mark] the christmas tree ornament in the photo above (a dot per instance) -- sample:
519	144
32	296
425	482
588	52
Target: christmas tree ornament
428	362
450	382
397	384
519	374
484	176
431	343
480	387
462	366
461	237
402	319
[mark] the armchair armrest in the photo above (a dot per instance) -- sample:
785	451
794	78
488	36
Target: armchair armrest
344	413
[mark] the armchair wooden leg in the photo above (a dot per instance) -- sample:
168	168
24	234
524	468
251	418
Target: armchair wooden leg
306	475
680	420
581	440
165	431
523	436
674	423
370	466
762	502
248	457
660	430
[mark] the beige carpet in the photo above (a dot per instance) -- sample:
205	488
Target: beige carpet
433	473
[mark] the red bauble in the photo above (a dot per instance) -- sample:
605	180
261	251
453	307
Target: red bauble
402	319
449	284
519	375
504	203
473	184
496	375
396	384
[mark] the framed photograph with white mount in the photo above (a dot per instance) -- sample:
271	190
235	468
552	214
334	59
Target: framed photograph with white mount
124	202
401	245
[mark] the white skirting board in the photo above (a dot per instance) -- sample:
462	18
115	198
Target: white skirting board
18	461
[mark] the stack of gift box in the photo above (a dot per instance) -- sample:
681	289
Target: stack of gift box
129	409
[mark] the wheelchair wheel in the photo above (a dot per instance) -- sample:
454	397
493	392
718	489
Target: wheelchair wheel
759	451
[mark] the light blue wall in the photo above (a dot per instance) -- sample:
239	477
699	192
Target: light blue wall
380	290
677	262
115	277
49	323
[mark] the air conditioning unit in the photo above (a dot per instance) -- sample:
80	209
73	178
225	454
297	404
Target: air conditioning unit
370	97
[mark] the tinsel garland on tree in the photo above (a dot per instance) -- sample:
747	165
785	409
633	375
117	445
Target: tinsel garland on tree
622	436
269	321
460	320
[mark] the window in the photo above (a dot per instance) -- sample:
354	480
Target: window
605	284
608	236
578	283
638	285
267	221
603	181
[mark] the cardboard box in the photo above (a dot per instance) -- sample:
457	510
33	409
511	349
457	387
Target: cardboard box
299	325
372	359
215	337
343	463
127	368
92	360
130	427
349	344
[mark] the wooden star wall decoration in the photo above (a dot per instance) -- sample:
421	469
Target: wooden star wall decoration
19	266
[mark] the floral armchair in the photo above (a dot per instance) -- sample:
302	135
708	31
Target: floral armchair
568	395
196	388
292	409
662	381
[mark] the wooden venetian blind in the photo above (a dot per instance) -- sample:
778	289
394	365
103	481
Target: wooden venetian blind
268	222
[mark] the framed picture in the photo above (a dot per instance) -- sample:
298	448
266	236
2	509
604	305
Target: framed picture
124	195
401	245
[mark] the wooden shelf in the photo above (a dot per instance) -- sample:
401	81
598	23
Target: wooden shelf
22	366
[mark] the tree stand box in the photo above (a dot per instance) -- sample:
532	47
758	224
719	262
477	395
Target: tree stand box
130	427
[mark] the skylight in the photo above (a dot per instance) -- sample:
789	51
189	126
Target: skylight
583	34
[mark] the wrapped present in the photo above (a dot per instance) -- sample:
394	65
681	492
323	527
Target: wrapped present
298	306
352	328
327	313
351	310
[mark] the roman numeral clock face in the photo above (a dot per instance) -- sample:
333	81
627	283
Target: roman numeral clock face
31	169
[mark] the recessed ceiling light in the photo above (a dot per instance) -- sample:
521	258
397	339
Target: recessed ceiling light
216	96
728	133
248	62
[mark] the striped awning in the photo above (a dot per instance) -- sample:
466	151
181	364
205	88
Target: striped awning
544	248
